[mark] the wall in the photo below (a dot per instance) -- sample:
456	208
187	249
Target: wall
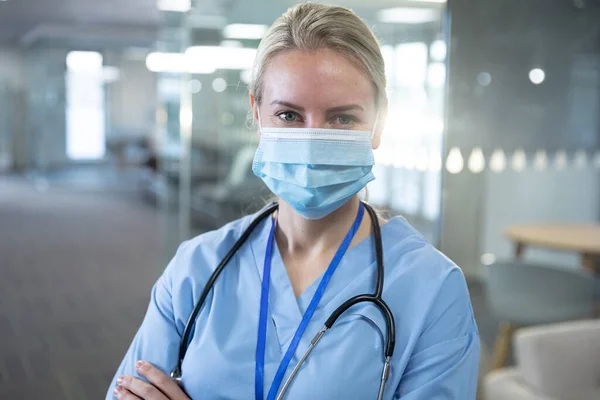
12	117
46	102
11	66
131	100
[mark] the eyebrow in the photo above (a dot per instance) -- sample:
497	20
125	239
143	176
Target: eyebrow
286	104
348	107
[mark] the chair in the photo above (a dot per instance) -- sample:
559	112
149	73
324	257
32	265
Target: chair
522	294
554	362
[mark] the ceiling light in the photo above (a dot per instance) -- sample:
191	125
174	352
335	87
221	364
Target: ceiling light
537	76
560	160
408	15
195	86
580	159
202	60
498	161
476	161
488	259
219	85
177	63
519	160
484	79
221	57
438	50
245	31
455	161
84	61
166	62
174	5
540	160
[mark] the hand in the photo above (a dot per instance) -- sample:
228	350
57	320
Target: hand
161	387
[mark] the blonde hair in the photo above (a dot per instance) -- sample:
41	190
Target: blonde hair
309	26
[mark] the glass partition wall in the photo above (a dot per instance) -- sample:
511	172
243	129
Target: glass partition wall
7	98
523	132
206	134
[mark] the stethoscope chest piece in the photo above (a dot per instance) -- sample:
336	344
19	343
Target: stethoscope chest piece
176	374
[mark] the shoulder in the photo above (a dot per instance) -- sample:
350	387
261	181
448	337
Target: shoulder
196	258
408	253
421	277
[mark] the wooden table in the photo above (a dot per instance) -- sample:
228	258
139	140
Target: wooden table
580	238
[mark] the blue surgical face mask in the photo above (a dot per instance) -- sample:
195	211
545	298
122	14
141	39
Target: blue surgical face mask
315	171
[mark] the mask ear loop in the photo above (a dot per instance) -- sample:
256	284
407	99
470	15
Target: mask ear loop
375	125
366	189
259	123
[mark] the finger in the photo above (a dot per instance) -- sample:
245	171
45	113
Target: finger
140	388
123	394
160	380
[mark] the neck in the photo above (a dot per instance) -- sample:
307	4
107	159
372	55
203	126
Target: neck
296	234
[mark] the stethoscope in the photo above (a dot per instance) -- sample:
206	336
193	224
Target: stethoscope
375	298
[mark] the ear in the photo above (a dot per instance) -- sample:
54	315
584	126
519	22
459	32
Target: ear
380	125
255	111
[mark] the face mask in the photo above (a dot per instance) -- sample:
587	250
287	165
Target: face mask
315	171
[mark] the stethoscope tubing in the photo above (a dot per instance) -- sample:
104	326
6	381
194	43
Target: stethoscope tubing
183	344
375	298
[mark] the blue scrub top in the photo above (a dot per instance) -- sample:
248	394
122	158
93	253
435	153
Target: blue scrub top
437	342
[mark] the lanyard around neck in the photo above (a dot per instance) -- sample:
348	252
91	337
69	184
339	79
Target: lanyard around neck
264	307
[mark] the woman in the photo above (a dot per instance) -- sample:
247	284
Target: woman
318	95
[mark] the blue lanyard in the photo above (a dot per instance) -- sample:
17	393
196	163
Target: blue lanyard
259	371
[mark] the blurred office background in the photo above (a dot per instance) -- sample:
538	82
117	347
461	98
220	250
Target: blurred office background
124	130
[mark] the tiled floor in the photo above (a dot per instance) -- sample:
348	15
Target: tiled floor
68	308
76	268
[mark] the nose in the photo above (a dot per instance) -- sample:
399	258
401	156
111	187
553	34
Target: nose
315	121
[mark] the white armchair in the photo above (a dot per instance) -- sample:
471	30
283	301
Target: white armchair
554	362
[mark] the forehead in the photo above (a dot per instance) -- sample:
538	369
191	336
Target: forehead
322	78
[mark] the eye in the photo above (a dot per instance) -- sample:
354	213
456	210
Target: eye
345	119
288	116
